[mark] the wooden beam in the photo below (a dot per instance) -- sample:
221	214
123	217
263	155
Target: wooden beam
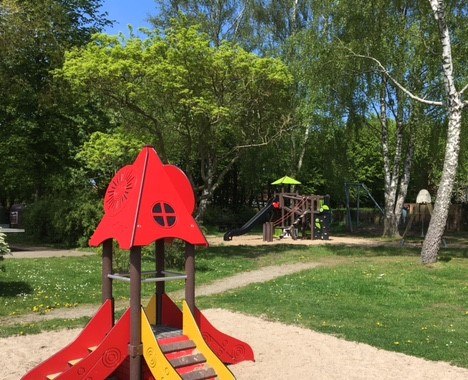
135	347
160	285
190	272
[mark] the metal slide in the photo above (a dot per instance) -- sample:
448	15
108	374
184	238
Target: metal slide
259	217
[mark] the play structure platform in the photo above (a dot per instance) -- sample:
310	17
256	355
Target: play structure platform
294	215
146	203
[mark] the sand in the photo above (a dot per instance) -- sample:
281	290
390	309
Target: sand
281	352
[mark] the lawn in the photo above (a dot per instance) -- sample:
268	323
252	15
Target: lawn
392	303
39	285
379	296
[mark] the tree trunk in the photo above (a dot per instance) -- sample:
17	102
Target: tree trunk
397	181
438	221
210	183
391	225
405	178
455	104
391	174
203	205
300	159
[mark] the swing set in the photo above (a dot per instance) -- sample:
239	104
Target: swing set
355	189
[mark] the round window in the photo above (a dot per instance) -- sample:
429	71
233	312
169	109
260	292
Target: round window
164	214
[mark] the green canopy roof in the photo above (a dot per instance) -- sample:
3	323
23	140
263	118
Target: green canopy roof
286	181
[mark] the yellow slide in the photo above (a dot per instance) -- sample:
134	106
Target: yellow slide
192	332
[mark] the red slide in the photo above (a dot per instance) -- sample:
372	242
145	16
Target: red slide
96	353
229	349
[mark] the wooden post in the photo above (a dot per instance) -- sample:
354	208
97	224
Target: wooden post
106	287
312	218
268	231
282	205
293	214
135	348
160	285
190	272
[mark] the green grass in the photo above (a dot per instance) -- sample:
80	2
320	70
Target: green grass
36	328
40	285
380	296
391	303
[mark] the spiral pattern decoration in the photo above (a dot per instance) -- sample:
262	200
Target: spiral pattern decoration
111	357
119	189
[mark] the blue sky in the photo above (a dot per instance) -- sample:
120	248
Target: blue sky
124	12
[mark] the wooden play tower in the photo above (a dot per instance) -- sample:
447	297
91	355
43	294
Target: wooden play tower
297	215
147	203
291	214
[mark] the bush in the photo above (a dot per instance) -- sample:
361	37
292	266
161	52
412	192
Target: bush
225	218
175	255
4	248
67	221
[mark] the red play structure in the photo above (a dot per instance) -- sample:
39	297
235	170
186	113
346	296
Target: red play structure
147	202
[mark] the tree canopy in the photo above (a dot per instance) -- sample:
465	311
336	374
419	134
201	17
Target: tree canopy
200	105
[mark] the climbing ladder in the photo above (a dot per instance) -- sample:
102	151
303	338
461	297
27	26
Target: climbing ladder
180	353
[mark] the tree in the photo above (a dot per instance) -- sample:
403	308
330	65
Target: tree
220	20
37	117
104	154
200	105
454	104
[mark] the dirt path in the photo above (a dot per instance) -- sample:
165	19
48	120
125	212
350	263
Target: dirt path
246	278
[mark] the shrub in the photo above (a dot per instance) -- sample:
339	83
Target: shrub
68	221
4	248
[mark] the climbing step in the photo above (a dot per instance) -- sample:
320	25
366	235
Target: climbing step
163	331
183	355
53	376
177	346
200	374
188	360
74	361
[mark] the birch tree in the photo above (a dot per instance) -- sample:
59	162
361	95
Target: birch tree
454	105
352	93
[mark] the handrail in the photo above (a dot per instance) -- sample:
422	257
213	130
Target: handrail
173	276
289	213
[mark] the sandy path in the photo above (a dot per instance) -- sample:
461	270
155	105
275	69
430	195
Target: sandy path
334	240
288	352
